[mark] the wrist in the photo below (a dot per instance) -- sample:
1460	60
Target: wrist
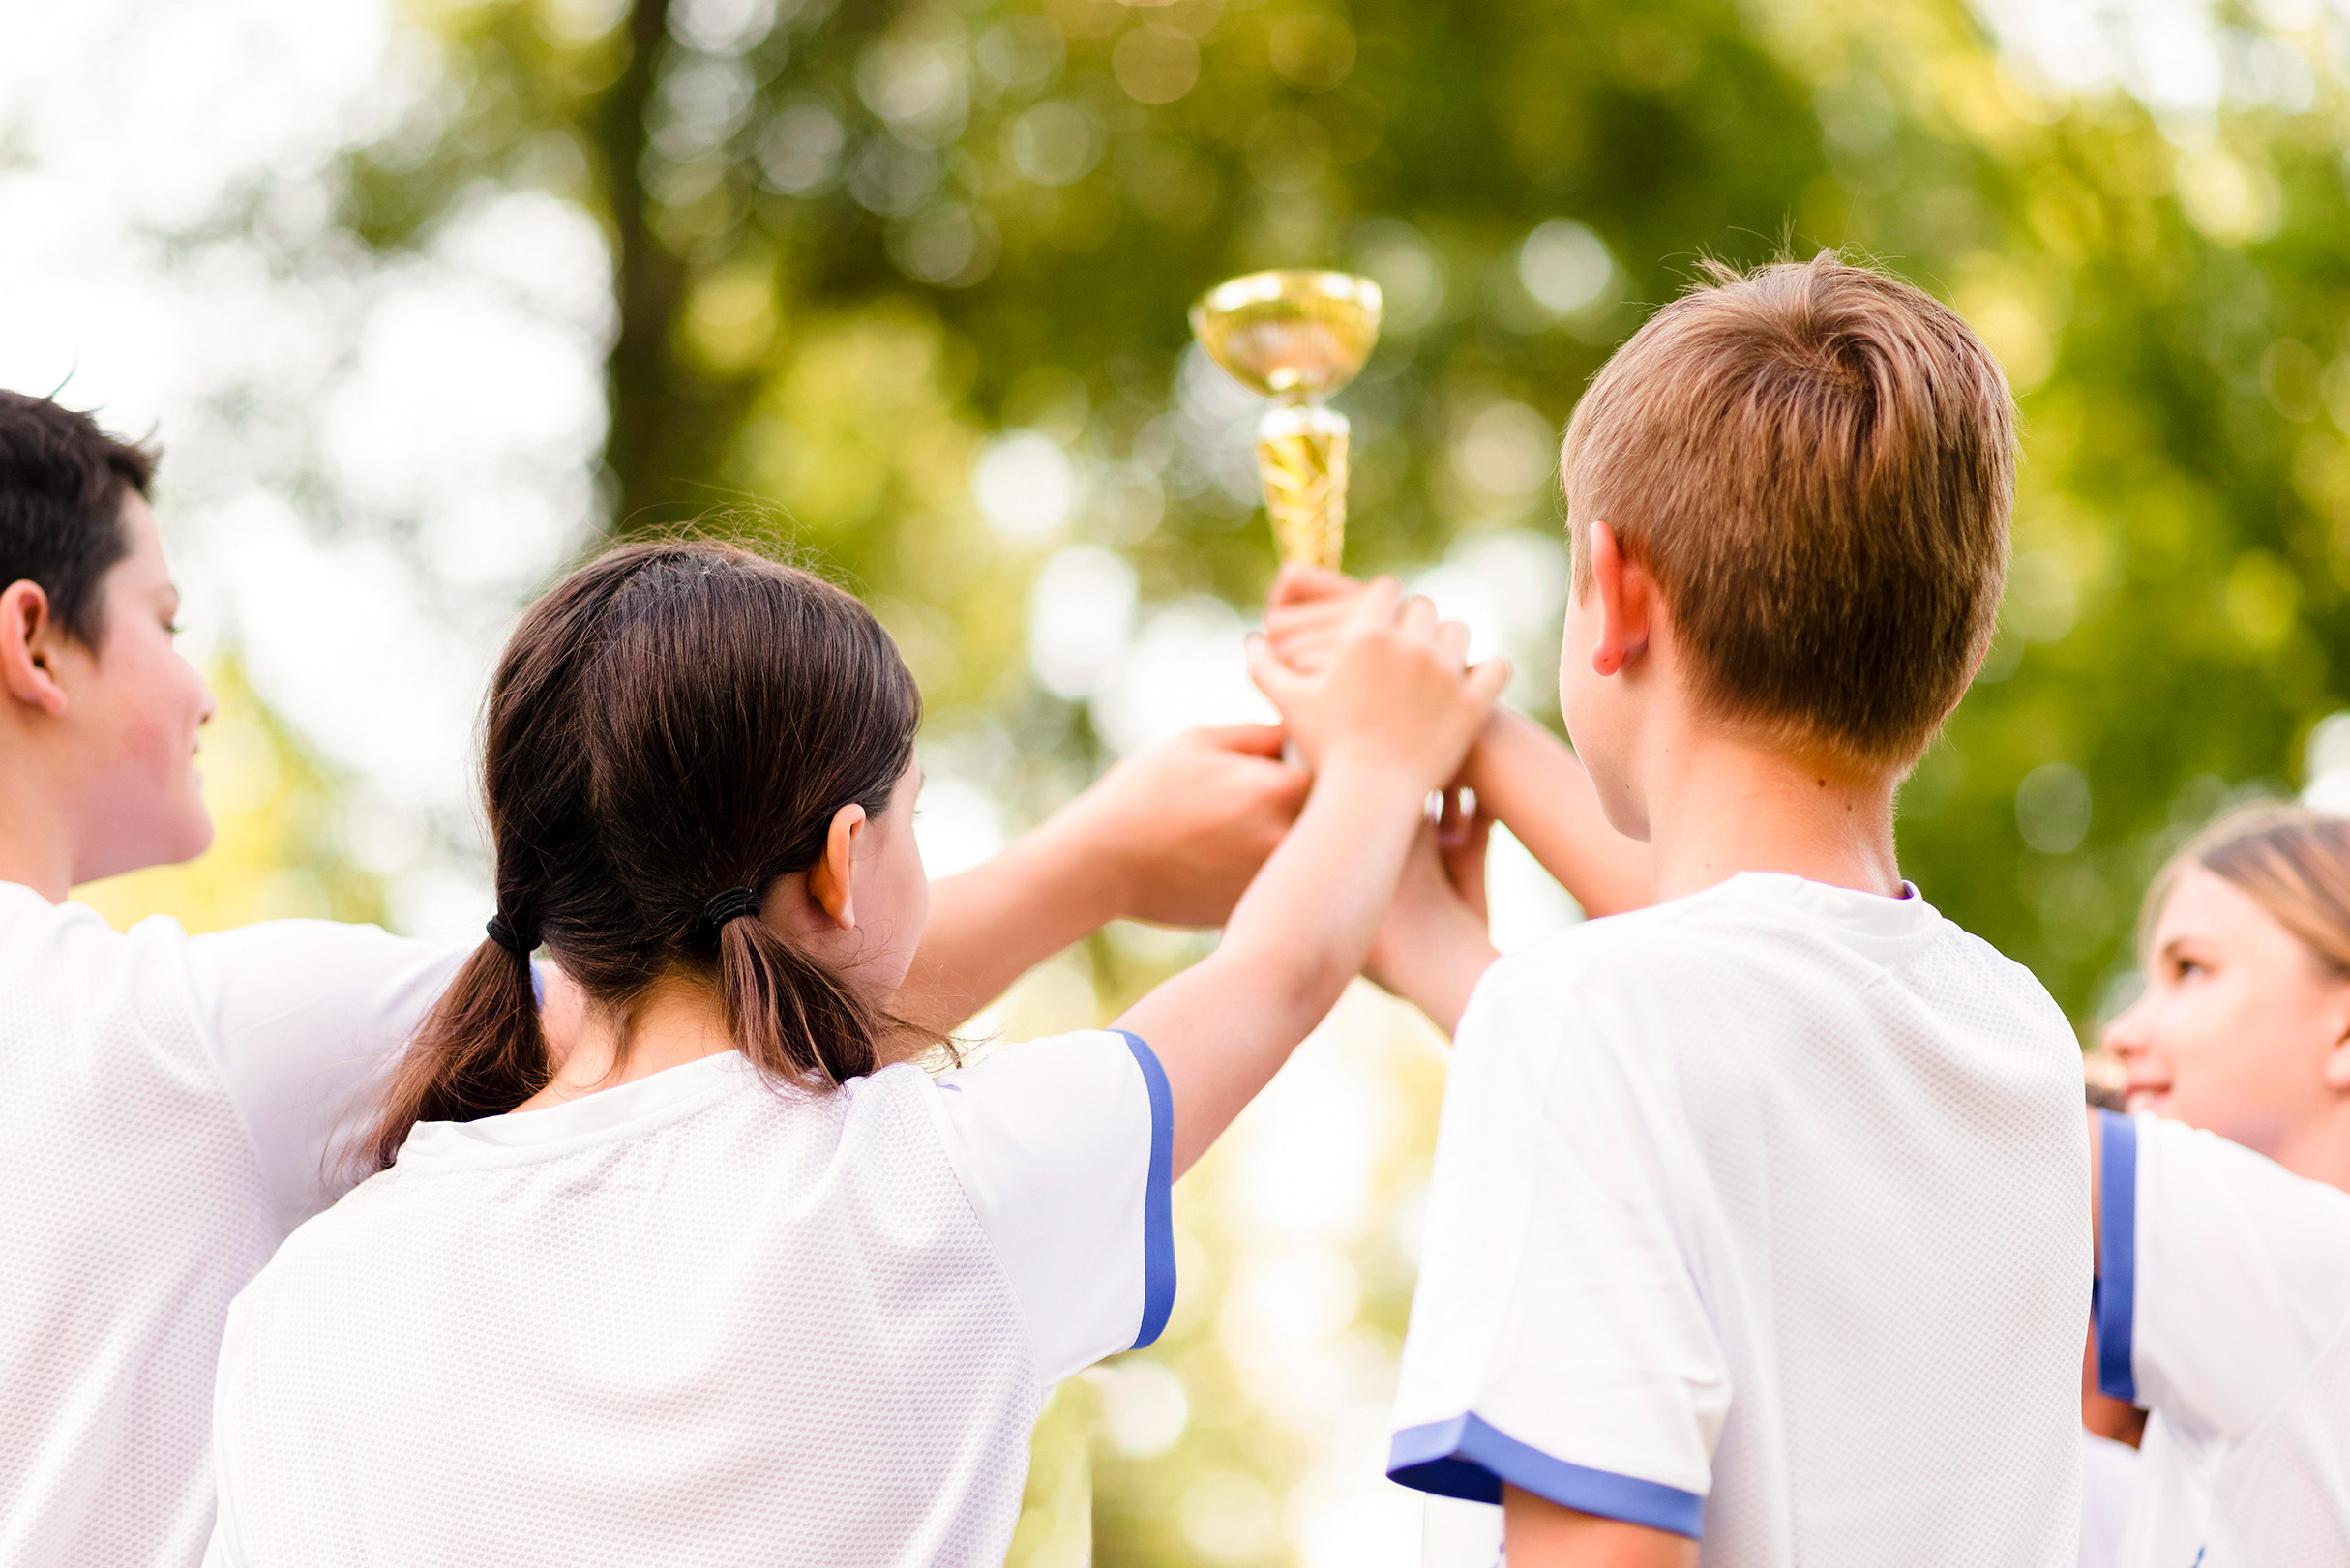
1372	769
1505	729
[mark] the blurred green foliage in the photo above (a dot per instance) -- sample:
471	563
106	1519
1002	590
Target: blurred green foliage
855	240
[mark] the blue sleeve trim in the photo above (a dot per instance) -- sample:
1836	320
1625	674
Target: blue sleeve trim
2117	1289
1465	1457
1158	1197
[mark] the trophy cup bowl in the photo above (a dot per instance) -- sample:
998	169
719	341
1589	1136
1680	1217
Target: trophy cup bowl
1297	338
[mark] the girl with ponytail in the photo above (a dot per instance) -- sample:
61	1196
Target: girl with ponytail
2220	1336
735	1279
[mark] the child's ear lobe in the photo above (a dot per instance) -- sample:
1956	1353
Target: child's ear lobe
26	631
832	879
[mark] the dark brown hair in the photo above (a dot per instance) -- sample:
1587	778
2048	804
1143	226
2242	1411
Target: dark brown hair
2293	862
1816	462
62	486
673	721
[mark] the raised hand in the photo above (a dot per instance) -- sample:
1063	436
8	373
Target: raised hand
1188	822
1384	728
1305	613
1397	696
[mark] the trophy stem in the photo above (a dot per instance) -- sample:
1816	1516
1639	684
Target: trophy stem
1301	458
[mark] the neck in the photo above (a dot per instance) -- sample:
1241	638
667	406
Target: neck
2319	1149
37	836
677	1021
1718	805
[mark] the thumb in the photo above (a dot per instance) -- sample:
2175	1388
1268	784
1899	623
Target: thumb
1250	740
1486	681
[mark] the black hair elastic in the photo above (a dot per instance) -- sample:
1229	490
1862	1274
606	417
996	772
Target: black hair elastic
505	936
731	905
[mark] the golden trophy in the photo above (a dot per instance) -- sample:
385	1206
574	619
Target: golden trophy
1295	337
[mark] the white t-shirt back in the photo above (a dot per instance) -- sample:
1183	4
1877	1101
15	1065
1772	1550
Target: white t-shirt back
170	1106
2223	1309
1761	1216
695	1320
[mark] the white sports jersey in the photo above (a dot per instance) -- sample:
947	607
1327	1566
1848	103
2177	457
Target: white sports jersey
2223	1309
2109	1480
694	1320
170	1108
1761	1216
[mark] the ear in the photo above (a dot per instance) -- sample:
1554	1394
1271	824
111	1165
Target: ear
2336	1071
1626	599
832	879
27	637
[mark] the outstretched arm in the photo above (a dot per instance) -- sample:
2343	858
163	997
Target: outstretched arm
1528	780
1432	949
1386	726
1172	835
1523	775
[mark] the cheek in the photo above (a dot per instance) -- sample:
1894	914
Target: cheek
916	899
2234	1040
171	707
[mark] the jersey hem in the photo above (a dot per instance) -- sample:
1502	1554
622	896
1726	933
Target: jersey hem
2115	1299
1158	1205
1468	1458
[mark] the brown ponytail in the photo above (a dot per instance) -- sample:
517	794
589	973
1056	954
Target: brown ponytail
673	721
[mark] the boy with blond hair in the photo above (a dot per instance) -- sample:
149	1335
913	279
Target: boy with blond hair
1756	1233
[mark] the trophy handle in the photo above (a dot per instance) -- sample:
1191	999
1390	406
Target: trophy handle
1301	458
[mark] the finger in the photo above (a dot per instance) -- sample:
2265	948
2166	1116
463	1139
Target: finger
1252	740
1376	606
1311	612
1451	827
1419	618
1480	830
1302	582
1452	644
1275	679
1465	866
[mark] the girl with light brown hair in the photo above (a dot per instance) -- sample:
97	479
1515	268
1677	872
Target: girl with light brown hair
2244	1028
2223	1305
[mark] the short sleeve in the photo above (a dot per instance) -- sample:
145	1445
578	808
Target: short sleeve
1557	1340
1066	1149
2222	1275
304	1018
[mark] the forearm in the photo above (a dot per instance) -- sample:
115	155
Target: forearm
992	924
1441	975
1298	937
1529	781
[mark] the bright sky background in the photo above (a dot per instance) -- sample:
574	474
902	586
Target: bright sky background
366	463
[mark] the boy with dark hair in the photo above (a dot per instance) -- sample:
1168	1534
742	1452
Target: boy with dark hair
1756	1232
172	1106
